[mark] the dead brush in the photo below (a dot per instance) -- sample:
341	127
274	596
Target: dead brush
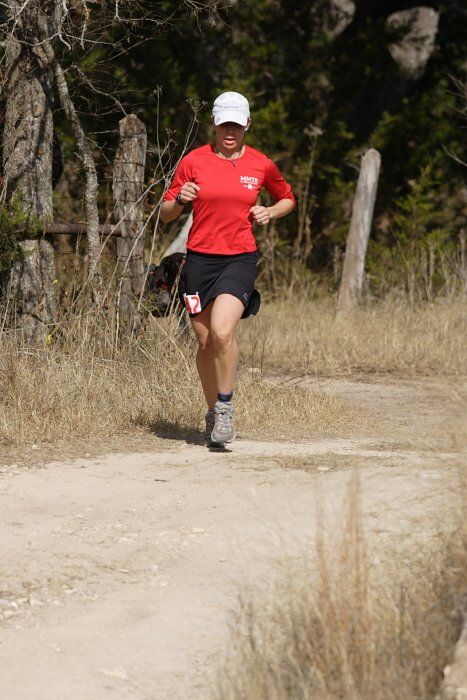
387	336
86	384
348	625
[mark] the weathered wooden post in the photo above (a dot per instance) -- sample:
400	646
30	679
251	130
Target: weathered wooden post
128	192
359	231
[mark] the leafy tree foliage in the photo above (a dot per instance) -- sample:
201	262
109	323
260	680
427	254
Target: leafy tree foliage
313	95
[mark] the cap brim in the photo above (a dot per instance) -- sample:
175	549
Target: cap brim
230	115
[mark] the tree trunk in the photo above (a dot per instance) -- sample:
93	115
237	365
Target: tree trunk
359	232
32	288
128	192
27	166
28	129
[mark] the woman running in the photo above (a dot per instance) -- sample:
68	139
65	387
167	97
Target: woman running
223	181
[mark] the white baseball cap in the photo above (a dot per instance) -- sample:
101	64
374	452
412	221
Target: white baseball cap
231	107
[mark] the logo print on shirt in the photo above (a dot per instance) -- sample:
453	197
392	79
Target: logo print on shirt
192	303
250	183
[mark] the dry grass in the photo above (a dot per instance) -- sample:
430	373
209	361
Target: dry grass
386	336
83	386
342	628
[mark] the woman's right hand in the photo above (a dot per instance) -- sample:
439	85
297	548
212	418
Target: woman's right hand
171	209
189	192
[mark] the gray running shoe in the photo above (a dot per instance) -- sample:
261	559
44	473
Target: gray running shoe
209	420
224	429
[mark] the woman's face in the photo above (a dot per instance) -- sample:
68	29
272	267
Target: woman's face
229	135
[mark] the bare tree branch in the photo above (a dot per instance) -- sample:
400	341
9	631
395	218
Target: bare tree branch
90	174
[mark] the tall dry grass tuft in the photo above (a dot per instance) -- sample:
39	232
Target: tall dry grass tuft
306	335
85	384
345	628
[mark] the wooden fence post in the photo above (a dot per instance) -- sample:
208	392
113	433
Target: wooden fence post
359	231
128	190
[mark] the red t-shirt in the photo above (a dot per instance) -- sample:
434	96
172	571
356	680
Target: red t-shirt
222	222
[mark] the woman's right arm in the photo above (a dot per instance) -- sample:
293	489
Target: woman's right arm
171	208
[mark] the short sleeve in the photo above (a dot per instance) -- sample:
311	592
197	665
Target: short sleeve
183	173
275	184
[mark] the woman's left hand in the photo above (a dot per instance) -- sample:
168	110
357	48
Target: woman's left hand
260	214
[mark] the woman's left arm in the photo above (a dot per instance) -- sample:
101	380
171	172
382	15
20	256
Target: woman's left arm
281	208
263	215
280	190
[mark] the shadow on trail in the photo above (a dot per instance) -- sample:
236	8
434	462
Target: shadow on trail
174	431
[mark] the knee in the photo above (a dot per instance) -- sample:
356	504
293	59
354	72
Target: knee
221	338
203	343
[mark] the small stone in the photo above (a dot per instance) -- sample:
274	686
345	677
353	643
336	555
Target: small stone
8	613
119	673
154	568
34	447
198	530
323	469
35	603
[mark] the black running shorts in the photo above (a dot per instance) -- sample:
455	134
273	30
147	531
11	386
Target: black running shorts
205	276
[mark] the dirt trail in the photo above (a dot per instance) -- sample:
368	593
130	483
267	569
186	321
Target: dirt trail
118	574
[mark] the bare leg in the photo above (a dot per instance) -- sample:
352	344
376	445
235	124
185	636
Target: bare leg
217	355
226	312
204	356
